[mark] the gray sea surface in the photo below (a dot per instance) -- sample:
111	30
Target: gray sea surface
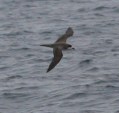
85	81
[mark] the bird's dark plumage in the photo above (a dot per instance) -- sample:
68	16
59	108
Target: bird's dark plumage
57	57
58	46
69	32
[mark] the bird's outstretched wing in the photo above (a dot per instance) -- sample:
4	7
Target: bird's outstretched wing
69	32
57	57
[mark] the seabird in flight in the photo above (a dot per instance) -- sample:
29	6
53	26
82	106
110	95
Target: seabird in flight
58	46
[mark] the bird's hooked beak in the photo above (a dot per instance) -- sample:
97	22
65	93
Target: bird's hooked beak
73	48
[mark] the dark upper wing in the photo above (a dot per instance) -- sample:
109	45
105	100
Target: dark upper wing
57	57
69	32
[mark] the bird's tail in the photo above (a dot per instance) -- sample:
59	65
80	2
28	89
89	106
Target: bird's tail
47	45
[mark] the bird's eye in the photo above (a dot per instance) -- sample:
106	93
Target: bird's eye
70	45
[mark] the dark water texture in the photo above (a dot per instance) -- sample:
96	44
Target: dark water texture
87	78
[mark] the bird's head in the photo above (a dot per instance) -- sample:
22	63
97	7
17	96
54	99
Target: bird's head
69	45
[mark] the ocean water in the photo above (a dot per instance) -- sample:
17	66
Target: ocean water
85	81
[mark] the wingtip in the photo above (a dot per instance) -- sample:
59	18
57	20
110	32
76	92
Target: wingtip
47	71
69	31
